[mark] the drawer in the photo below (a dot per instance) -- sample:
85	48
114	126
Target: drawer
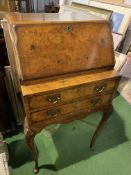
58	97
86	104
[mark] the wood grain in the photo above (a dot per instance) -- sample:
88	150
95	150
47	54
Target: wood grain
76	106
49	49
32	18
58	97
67	82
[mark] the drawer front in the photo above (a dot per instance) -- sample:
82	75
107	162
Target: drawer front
53	99
87	104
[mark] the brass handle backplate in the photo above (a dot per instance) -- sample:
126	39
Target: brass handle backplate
54	98
100	88
53	112
96	101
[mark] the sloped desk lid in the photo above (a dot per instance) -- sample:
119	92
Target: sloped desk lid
47	45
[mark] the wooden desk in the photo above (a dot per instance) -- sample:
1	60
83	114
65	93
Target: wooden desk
64	69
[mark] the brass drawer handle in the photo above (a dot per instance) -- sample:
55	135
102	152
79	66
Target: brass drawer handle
68	28
53	112
100	88
96	101
54	98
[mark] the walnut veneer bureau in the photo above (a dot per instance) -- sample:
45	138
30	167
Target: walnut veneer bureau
63	65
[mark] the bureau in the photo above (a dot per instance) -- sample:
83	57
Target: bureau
63	67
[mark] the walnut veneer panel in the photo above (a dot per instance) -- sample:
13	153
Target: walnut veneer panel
87	104
33	89
80	91
55	48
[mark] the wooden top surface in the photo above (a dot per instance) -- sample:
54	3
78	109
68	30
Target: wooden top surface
67	82
35	18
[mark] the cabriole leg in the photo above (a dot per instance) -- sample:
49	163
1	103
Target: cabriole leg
29	135
107	112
